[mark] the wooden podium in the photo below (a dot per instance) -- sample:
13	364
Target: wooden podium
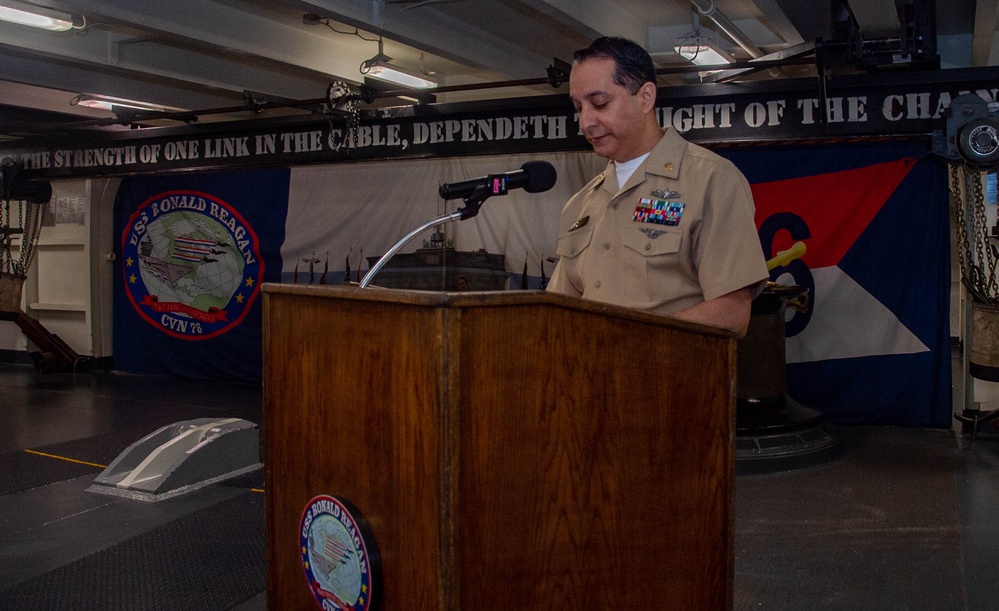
511	450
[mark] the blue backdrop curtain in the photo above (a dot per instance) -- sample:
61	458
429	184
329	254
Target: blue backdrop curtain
873	346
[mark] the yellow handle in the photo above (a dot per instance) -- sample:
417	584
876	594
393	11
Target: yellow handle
786	256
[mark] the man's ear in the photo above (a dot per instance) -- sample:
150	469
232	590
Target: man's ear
647	95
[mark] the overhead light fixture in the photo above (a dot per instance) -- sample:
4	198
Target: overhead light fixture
703	52
394	74
107	102
35	16
378	67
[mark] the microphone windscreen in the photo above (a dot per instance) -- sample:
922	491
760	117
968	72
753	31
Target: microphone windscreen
541	176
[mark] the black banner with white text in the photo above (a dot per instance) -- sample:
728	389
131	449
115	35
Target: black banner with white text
904	104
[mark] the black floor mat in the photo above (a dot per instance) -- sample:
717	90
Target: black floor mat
23	471
212	559
100	449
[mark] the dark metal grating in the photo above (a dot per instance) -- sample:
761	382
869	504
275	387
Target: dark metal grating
211	559
23	471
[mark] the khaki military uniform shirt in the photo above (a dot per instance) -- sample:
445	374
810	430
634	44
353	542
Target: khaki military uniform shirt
681	232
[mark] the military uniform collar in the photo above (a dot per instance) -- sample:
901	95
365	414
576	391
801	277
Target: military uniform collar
663	160
601	182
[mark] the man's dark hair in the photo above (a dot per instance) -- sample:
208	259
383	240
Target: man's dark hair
633	65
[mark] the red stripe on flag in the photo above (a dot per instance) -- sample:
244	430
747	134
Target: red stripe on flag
837	207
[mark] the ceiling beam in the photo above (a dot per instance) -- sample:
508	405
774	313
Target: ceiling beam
222	29
810	18
779	22
55	74
594	18
146	58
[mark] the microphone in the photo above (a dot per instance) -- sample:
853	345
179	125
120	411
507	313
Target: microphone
533	177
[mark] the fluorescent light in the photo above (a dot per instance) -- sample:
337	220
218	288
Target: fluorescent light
36	17
379	67
107	102
387	72
702	52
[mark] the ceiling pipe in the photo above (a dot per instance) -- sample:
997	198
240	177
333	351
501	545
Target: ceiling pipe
708	9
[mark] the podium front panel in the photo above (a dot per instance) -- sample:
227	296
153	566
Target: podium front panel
510	452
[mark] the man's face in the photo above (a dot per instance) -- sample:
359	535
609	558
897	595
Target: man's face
611	117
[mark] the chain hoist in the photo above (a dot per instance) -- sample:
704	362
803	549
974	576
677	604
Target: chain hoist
970	145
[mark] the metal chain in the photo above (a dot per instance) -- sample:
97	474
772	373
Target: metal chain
340	98
33	214
957	205
353	122
978	221
979	261
6	259
29	226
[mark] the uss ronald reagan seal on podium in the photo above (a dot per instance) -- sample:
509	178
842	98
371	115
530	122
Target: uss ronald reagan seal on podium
339	556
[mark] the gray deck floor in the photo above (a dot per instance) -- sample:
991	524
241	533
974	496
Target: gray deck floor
905	519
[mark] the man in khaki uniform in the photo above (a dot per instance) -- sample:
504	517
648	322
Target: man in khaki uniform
668	227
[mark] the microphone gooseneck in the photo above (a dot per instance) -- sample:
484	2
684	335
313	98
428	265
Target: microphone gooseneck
532	177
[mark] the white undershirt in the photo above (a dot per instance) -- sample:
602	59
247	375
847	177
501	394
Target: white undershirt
626	169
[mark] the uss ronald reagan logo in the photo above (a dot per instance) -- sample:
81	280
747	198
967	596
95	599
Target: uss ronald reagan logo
338	554
191	263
